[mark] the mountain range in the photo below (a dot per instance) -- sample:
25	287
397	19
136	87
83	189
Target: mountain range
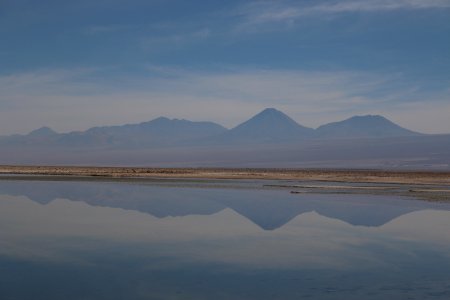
158	132
268	126
269	139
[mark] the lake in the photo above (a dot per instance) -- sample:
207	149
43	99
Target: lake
216	239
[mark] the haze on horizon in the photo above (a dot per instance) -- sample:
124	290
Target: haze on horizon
71	65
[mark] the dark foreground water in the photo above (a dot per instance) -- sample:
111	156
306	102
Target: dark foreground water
190	240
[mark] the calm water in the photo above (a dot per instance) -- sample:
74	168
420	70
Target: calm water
217	240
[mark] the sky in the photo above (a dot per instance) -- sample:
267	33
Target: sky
71	65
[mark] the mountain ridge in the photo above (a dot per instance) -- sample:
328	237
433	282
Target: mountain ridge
270	126
363	126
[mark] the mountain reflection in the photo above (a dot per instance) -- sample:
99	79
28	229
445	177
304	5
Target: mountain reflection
269	209
198	240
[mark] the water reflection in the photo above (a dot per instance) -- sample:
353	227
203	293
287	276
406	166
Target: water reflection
266	208
81	240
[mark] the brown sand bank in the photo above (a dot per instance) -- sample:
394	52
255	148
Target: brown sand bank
355	176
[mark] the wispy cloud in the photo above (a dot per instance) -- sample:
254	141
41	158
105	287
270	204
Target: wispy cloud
262	12
377	5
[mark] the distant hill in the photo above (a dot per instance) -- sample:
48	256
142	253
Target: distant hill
37	137
42	132
363	127
158	132
269	126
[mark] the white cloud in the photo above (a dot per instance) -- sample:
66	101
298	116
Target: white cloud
270	12
76	100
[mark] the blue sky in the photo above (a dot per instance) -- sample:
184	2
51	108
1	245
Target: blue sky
71	65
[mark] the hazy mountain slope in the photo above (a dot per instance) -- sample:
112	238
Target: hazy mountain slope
362	126
412	152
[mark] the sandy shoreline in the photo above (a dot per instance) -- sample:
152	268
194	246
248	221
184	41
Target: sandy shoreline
357	176
431	186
